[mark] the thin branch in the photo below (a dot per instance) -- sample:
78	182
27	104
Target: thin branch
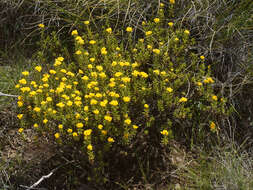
9	95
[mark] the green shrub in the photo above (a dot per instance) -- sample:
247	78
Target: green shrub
116	92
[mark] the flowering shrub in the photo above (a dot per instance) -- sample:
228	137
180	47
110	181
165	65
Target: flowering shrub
116	90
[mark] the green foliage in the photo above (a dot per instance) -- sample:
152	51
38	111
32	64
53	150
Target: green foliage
114	92
171	81
225	169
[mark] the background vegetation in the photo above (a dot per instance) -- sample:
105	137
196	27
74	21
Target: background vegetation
222	30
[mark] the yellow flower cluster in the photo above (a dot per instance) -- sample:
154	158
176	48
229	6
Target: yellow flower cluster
99	93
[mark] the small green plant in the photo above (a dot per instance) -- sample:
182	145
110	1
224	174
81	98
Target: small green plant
224	169
116	91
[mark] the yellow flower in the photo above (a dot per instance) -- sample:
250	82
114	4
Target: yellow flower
92	42
183	99
93	102
100	126
118	74
69	103
156	20
85	78
108	118
45	121
60	126
41	25
149	46
77	115
74	32
135	127
126	79
79	40
135	64
60	58
146	106
98	95
109	30
38	68
163	73
78	103
74	134
161	4
148	33
202	57
143	74
103	51
22	81
87	132
69	130
52	72
39	91
70	74
110	140
171	24
199	83
129	29
212	126
103	103
157	71
126	99
36	109
25	73
89	147
135	73
99	68
60	104
104	132
172	1
187	32
79	125
78	52
19	116
114	63
56	135
102	75
165	132
127	121
156	51
96	111
169	89
114	103
80	71
49	99
20	130
208	80
43	103
25	89
46	85
86	108
86	22
35	125
214	98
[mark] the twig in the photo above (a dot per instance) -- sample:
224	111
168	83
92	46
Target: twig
10	95
45	177
39	181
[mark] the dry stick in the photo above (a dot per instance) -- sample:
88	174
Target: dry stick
10	95
45	177
39	181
